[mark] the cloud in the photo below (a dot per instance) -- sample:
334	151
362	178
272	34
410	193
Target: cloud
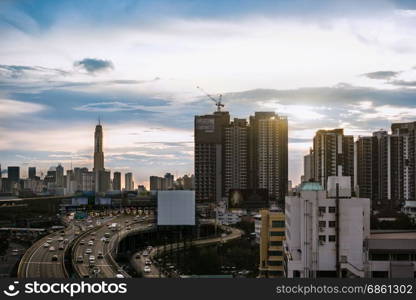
93	65
403	83
381	74
12	108
115	106
19	72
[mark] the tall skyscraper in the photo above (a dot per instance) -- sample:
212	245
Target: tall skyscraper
209	156
373	168
236	155
59	176
268	167
333	155
117	181
128	182
98	169
32	172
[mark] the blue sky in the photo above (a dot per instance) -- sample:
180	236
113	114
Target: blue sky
324	64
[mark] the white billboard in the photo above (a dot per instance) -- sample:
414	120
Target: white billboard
176	208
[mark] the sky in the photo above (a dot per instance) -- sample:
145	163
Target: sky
136	65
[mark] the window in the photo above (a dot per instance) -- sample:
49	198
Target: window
322	223
322	209
278	224
276	243
331	238
332	209
322	238
331	223
275	253
277	233
274	263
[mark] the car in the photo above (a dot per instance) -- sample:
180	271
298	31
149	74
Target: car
145	253
80	259
90	243
61	246
49	240
82	242
15	252
76	232
100	255
51	249
60	239
55	258
107	241
88	251
119	276
147	262
147	269
138	256
46	245
96	270
66	241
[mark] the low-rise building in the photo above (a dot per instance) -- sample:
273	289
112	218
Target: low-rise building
272	234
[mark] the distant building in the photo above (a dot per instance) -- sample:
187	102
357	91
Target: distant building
167	183
117	181
32	172
325	234
308	166
13	174
59	179
333	155
128	182
88	181
156	183
99	171
272	234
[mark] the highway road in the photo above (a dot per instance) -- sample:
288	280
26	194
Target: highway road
37	261
138	260
104	263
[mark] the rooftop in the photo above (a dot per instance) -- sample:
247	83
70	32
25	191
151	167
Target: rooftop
311	186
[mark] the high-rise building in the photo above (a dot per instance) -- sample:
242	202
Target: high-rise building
104	181
209	156
272	234
59	179
13	174
333	155
156	183
128	182
32	172
87	181
117	181
308	166
98	155
326	231
168	181
268	151
236	155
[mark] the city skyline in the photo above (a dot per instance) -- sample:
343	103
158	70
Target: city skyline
141	75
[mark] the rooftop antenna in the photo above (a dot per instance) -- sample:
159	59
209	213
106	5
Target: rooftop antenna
99	120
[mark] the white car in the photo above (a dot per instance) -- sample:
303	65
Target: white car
60	239
119	276
88	251
51	249
82	242
80	259
90	243
46	245
49	240
147	269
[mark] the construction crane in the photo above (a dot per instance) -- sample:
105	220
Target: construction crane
217	101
